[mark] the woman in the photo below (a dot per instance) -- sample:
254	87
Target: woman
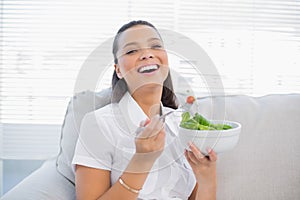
124	150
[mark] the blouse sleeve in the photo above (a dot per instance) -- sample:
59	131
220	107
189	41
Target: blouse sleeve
94	146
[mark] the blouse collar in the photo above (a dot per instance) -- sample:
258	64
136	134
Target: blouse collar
133	114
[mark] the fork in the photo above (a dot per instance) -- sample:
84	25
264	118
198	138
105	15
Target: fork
183	108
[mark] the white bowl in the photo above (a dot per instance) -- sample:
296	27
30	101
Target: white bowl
218	140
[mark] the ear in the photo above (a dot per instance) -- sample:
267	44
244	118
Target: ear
118	72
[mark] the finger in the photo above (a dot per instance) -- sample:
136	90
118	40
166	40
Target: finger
161	130
142	127
196	151
160	140
155	126
143	130
147	121
152	128
191	157
186	153
139	130
154	122
144	122
212	155
141	133
160	137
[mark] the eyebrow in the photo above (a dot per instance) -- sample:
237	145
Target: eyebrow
135	43
130	43
149	40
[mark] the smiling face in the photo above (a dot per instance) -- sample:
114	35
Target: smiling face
142	59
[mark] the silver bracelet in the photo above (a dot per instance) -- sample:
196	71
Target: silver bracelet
128	187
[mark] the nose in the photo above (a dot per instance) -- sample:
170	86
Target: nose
146	54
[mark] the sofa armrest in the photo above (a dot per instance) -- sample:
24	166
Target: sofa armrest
44	183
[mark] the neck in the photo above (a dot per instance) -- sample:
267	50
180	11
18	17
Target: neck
149	100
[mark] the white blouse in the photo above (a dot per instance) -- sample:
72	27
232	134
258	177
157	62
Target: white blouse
106	141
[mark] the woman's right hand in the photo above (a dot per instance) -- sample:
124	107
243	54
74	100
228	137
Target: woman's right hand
149	144
150	141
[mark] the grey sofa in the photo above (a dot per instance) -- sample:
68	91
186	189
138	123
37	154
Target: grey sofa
264	165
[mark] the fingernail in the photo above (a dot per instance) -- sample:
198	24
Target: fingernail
190	144
208	150
147	122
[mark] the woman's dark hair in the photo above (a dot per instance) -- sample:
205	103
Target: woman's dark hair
119	86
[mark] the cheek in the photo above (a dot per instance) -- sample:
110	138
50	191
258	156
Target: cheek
164	58
165	62
126	66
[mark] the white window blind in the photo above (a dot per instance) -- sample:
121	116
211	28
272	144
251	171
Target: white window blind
254	44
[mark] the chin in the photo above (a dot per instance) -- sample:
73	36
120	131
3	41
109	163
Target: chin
148	87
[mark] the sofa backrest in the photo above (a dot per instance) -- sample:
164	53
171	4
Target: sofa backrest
81	104
266	162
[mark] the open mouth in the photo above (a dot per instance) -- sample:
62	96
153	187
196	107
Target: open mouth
148	68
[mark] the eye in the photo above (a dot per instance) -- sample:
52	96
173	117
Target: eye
131	51
156	46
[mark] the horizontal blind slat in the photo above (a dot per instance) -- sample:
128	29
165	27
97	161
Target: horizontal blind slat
30	140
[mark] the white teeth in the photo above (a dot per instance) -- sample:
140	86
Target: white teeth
148	67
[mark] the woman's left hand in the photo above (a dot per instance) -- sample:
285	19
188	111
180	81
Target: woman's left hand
204	167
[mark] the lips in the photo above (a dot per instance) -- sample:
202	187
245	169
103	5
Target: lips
148	68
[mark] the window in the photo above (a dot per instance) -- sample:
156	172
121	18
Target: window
255	46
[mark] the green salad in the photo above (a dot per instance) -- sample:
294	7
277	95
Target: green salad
198	122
